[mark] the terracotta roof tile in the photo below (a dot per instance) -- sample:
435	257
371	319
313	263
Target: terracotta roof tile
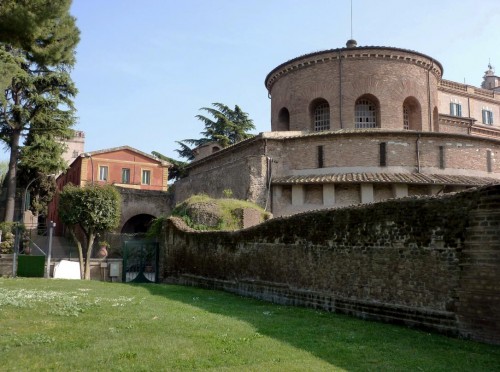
410	178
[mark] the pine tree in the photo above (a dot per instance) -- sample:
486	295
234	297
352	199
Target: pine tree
177	170
226	127
37	50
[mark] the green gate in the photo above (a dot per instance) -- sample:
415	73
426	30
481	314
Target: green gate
140	261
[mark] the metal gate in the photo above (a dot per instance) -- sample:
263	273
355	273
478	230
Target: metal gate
140	261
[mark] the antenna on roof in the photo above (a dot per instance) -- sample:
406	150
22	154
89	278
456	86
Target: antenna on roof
351	43
351	19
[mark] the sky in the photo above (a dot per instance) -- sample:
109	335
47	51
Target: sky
145	67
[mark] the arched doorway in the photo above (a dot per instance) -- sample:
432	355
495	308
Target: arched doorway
138	224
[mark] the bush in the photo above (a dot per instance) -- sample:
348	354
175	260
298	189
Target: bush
8	236
201	212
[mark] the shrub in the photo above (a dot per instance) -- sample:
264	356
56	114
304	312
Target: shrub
8	236
200	212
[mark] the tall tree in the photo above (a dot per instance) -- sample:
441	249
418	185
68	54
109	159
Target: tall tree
185	151
37	50
224	125
41	155
93	209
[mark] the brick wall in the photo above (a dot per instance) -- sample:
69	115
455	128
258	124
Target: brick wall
245	168
432	263
342	76
389	75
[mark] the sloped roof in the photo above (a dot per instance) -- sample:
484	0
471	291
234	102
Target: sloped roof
408	178
114	149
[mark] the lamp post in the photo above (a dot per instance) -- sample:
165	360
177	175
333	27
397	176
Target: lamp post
89	155
23	208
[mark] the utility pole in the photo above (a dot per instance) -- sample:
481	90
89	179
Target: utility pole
52	225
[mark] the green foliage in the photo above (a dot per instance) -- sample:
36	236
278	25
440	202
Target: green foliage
41	190
43	29
7	244
37	50
156	227
226	126
185	151
8	230
177	170
227	193
201	212
95	209
104	243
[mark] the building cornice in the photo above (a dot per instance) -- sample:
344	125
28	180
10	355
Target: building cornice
469	91
366	52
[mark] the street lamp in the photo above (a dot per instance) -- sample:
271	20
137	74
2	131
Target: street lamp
89	155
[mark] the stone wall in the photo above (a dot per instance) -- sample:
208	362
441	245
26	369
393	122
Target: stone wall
426	262
241	169
137	202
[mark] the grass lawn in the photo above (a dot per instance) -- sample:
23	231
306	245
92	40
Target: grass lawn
77	325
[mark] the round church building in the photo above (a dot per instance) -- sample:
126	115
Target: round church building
371	123
355	88
359	124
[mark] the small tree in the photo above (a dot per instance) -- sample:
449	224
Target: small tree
94	209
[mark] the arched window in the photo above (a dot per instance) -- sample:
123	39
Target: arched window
412	117
321	116
365	114
406	117
284	119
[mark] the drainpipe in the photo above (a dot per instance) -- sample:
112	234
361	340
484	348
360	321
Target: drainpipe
269	176
417	145
340	89
429	95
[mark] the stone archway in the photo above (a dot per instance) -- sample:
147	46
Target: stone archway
139	207
137	224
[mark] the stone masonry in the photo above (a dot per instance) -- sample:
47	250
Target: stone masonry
432	263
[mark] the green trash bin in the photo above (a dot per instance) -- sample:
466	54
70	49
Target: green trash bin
31	266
